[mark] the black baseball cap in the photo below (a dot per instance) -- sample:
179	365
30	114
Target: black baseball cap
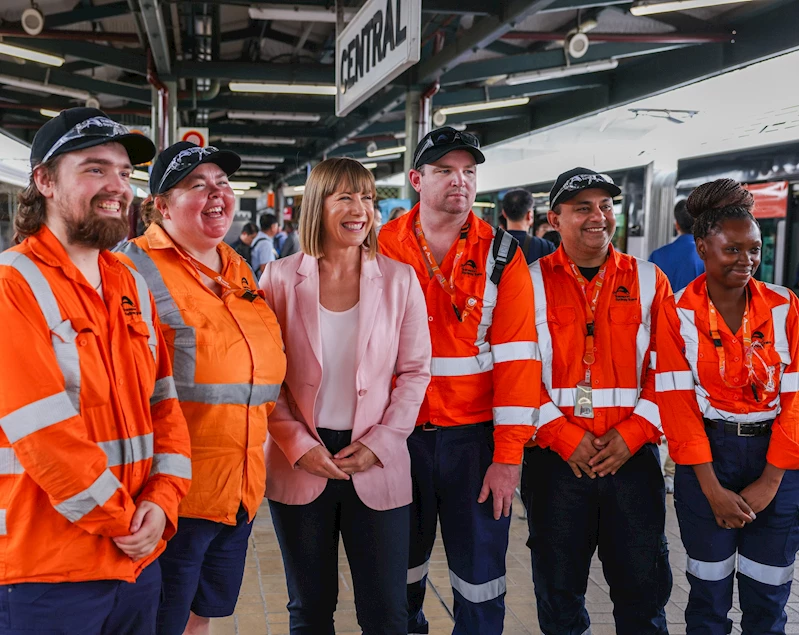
176	162
81	128
441	141
571	183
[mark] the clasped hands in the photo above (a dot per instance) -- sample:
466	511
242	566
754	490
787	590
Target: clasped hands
599	456
356	457
146	528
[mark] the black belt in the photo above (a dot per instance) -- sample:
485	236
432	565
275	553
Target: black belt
758	429
429	427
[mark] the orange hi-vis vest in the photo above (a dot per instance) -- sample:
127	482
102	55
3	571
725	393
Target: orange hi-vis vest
486	367
90	425
690	386
229	364
622	375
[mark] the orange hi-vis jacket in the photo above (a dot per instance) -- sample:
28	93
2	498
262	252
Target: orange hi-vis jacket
622	375
689	382
90	425
486	367
229	364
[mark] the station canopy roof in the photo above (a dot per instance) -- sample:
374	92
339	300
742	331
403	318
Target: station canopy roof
473	52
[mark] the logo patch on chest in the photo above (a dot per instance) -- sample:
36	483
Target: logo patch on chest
129	306
469	268
622	294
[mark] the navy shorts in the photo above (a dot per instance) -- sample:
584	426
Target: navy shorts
98	607
202	569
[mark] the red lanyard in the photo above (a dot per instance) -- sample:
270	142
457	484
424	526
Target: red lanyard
447	285
231	287
590	308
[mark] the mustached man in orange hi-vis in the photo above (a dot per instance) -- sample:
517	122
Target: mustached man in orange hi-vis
727	382
483	397
229	364
94	449
594	480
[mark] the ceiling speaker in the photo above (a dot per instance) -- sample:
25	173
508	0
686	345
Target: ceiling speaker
32	21
577	45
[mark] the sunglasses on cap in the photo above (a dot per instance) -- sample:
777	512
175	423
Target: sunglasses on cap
92	127
186	159
445	138
582	182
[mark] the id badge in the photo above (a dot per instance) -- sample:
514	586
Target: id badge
584	400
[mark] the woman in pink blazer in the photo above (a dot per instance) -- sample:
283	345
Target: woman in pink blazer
358	348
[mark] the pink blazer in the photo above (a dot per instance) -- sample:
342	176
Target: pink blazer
393	340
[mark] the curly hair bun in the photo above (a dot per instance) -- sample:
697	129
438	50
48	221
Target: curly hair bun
717	194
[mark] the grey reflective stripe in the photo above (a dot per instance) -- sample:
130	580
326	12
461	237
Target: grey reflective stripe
62	335
128	451
602	397
709	412
779	317
461	366
541	324
164	389
37	416
490	293
96	495
514	351
674	380
765	573
549	412
647	284
417	574
649	411
236	394
476	593
789	383
171	464
9	463
513	415
711	571
146	309
3	530
184	364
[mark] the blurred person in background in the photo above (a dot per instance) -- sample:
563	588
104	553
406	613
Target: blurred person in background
262	249
517	209
291	245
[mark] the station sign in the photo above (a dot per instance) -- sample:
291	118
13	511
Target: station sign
771	199
198	136
379	43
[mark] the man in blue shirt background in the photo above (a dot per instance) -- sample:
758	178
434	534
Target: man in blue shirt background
679	260
517	208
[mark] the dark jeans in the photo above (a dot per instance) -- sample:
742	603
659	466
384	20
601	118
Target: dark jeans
376	543
624	516
766	548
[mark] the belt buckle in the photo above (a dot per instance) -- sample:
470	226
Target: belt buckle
428	427
741	434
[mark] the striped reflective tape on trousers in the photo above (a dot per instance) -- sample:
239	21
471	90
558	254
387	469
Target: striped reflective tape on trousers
184	365
417	574
476	593
711	571
171	465
62	335
146	310
674	380
37	416
765	573
513	415
96	495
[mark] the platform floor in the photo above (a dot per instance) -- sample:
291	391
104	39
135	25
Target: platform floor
261	609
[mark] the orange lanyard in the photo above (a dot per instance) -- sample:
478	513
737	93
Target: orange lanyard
746	328
590	308
231	287
447	285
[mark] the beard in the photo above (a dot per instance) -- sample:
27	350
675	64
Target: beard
96	231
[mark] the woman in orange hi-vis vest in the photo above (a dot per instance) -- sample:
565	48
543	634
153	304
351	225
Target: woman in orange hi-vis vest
727	380
228	365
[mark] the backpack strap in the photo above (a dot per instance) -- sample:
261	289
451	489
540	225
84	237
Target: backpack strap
503	247
526	246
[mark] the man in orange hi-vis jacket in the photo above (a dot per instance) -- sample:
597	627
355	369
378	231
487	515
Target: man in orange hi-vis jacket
484	393
94	449
595	481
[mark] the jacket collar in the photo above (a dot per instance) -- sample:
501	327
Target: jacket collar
158	238
616	260
309	266
477	228
47	248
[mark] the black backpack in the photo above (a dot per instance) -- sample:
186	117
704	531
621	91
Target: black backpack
503	247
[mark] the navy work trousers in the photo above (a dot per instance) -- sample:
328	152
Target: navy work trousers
99	607
376	543
448	467
622	515
766	547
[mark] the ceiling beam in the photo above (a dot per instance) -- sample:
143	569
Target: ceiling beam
153	20
574	5
266	103
258	130
259	31
249	71
548	87
128	59
485	69
289	154
79	82
86	14
484	32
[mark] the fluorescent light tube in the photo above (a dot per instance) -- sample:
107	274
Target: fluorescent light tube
239	192
33	56
140	175
261	167
485	105
256	158
650	8
479	204
283	89
370	166
386	151
561	71
49	113
264	141
243	185
273	116
50	89
298	13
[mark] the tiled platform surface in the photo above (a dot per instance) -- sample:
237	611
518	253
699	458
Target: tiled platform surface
262	605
